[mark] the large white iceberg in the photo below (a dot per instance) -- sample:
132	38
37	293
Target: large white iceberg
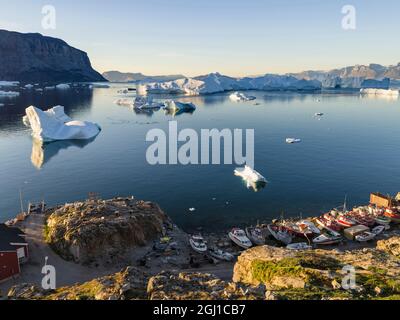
215	82
54	124
385	92
240	97
6	84
9	94
63	86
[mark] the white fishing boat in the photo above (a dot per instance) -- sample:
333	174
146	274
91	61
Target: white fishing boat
280	233
293	140
311	226
198	244
365	236
238	236
328	237
255	235
299	246
220	254
251	176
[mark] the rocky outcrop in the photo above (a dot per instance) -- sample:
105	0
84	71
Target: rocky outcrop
319	274
391	246
127	284
32	57
103	230
199	286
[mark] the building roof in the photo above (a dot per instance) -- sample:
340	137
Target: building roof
10	235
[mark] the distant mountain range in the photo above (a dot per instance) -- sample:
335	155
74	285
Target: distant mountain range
354	77
116	76
32	57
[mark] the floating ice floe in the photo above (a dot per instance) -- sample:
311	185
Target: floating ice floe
293	140
1	104
63	86
240	97
179	106
124	102
100	86
252	178
50	88
9	94
385	92
29	86
6	84
54	124
144	102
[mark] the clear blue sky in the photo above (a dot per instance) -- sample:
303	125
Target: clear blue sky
233	37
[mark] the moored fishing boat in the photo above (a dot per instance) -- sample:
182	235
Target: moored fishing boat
280	233
220	254
365	236
393	215
311	226
382	220
238	236
255	235
379	229
328	237
198	244
345	221
328	224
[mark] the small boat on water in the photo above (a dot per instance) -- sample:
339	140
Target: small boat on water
299	246
238	236
293	140
251	176
280	233
318	114
328	237
365	236
220	254
198	244
255	235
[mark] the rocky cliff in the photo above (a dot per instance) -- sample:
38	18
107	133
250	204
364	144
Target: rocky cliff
319	274
261	273
32	57
103	231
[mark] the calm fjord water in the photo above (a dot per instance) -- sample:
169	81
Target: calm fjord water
352	150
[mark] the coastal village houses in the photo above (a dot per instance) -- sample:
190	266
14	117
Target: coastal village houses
13	251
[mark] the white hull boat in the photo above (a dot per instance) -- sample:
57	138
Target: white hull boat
220	255
198	244
255	235
238	236
280	234
365	236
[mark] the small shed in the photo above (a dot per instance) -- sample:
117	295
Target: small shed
380	200
351	233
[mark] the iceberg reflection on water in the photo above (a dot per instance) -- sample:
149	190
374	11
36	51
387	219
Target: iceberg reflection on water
43	152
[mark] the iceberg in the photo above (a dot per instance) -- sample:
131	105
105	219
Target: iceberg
175	106
29	86
7	84
9	94
252	178
63	86
240	97
54	124
142	102
215	83
384	92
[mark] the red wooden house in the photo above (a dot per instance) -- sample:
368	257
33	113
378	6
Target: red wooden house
13	251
